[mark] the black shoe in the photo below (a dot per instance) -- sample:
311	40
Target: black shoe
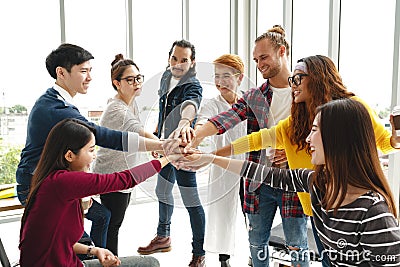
225	263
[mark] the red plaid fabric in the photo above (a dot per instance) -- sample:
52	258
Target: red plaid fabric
254	107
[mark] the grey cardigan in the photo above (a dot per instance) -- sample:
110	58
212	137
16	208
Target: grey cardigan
119	116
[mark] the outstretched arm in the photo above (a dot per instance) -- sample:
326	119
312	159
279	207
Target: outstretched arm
247	143
201	132
288	180
147	134
196	161
183	133
149	144
225	151
219	124
184	129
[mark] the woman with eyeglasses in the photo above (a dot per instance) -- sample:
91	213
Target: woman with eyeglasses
315	81
353	207
122	114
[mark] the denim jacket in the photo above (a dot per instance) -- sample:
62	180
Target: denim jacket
187	91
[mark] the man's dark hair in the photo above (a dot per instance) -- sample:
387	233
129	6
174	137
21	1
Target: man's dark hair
184	44
66	56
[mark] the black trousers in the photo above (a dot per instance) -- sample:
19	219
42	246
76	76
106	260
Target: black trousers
117	203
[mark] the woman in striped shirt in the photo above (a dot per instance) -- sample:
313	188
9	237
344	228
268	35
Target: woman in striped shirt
353	208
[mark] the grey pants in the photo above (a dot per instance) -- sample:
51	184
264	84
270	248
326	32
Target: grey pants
131	261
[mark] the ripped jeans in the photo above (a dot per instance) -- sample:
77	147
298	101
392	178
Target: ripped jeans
295	230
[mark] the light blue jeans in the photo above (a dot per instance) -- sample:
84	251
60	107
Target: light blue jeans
295	230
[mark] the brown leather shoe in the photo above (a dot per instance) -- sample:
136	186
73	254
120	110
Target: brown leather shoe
198	261
158	244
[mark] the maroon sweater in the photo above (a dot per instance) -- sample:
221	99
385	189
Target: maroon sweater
55	224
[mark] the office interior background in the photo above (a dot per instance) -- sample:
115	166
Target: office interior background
361	36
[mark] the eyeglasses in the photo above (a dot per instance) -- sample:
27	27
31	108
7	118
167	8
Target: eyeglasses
134	79
225	76
296	79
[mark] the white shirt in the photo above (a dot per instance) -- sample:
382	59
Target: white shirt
64	94
280	105
223	186
172	84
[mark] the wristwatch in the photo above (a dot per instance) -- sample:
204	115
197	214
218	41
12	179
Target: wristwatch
88	252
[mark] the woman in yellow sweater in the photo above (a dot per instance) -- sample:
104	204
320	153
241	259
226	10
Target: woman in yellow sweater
315	81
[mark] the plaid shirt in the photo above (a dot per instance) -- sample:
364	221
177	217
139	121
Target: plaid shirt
254	107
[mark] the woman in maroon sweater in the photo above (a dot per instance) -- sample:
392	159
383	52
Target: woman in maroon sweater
53	219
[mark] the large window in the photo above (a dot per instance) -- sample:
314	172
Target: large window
26	39
209	31
366	50
155	26
154	32
269	13
310	29
209	28
99	27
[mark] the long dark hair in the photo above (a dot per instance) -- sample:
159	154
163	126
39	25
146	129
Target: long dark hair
325	84
68	134
351	156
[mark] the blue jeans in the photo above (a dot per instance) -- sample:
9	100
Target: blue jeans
22	193
323	256
260	224
188	188
100	217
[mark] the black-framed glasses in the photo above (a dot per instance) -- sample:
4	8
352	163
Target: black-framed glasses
296	79
134	79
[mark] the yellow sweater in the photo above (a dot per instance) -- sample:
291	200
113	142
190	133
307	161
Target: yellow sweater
277	137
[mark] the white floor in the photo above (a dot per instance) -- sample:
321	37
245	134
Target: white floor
141	227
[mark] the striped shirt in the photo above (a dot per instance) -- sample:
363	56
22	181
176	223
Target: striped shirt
362	233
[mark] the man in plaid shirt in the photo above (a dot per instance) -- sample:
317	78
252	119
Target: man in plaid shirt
263	107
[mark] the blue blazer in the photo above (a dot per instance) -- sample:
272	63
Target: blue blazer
49	109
